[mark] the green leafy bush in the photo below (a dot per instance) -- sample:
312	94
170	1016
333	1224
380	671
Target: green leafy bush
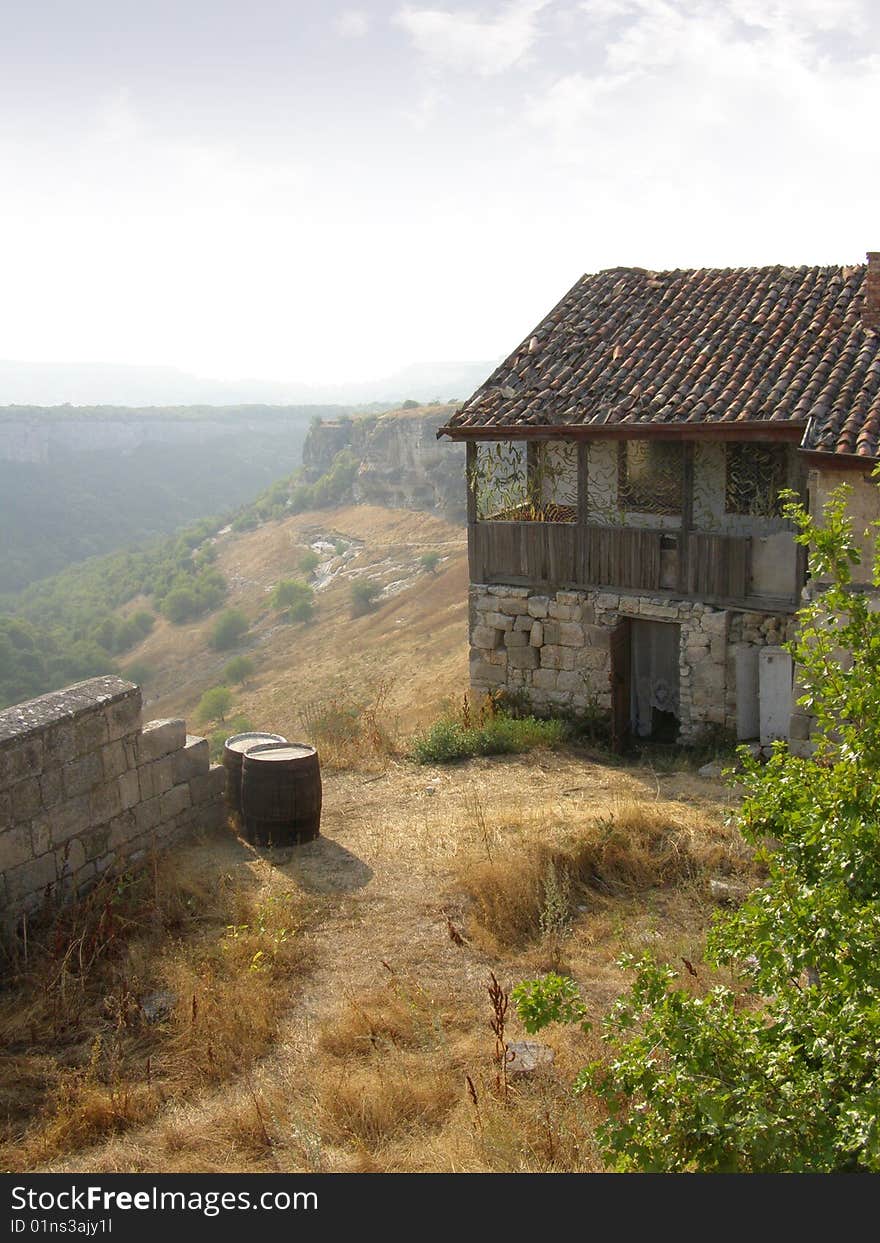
238	724
309	562
429	562
214	704
238	670
451	739
778	1069
551	999
229	629
139	672
294	599
363	596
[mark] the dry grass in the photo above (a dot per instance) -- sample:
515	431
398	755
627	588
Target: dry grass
381	1057
85	1057
533	889
407	1080
351	729
384	1102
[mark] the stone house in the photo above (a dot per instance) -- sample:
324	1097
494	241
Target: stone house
628	550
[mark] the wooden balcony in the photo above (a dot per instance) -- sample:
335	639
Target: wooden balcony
712	567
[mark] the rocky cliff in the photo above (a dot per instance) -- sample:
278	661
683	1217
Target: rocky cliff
402	463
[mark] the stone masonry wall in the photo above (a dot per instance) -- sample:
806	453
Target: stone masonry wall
85	787
556	648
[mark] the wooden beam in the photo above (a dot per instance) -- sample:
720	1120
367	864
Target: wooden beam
475	569
533	474
471	471
583	459
756	429
687	514
838	461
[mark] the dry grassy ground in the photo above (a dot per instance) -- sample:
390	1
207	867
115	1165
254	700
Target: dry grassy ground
326	1008
366	1045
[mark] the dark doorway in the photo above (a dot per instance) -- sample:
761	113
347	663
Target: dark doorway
654	680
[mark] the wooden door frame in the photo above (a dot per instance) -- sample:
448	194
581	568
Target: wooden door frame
620	677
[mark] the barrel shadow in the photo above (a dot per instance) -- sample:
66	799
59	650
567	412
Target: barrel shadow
320	866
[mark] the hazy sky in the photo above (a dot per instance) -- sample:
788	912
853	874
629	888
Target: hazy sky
283	190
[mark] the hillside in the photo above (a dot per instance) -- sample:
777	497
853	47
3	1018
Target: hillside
415	642
70	625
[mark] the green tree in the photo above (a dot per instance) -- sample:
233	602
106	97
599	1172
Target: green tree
309	562
179	605
238	670
363	596
294	599
140	672
237	724
781	1070
229	628
214	704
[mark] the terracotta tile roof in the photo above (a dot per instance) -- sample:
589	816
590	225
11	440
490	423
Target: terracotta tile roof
627	346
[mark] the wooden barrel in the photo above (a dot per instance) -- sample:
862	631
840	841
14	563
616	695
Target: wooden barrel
233	752
281	793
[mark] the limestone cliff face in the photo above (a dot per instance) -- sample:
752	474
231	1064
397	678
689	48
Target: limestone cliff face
402	463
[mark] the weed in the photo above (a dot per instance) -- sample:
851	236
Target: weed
83	1055
350	731
499	1001
492	731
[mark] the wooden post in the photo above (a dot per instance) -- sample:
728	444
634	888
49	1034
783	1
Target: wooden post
583	482
471	473
687	515
799	482
471	476
533	476
582	568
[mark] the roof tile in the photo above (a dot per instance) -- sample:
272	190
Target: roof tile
708	345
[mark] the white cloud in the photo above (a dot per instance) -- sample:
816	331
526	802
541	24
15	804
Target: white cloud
352	23
468	41
689	87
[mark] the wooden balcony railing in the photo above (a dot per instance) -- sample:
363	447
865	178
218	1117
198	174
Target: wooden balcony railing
713	567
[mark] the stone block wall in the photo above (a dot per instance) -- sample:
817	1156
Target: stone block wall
555	648
84	787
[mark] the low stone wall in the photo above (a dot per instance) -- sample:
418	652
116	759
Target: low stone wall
85	787
556	648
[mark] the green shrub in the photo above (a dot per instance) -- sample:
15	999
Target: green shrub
294	598
429	562
451	738
238	670
238	724
302	611
302	497
214	704
180	605
229	628
144	621
363	596
309	562
444	741
139	672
